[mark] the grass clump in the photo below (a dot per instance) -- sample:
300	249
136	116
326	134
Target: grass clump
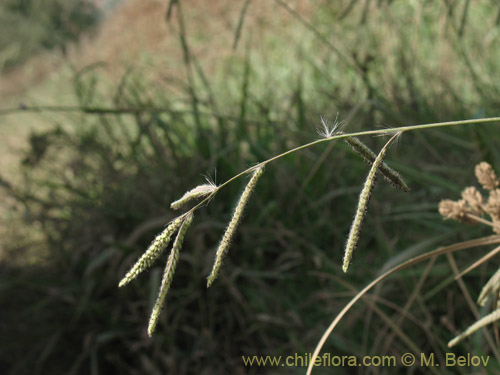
99	188
31	26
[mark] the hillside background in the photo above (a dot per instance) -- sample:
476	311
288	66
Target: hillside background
110	110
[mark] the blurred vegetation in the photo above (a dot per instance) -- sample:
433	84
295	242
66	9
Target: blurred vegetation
96	190
31	26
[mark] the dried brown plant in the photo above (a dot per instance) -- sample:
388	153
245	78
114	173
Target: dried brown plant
473	208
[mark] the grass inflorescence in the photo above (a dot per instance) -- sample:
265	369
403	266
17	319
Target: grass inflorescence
91	211
168	274
369	156
153	252
361	210
207	191
233	224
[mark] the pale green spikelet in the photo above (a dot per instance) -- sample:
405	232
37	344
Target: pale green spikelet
200	191
364	198
484	321
491	287
153	252
369	156
233	224
168	273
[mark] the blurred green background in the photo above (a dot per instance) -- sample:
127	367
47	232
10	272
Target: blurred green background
109	111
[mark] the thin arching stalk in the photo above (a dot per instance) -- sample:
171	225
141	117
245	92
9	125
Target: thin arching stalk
495	239
401	129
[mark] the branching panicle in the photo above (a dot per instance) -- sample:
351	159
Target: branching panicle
471	201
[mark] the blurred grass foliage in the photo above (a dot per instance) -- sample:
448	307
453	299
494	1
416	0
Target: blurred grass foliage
30	26
97	188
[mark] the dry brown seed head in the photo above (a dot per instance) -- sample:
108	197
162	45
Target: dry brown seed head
493	209
452	210
486	176
456	210
474	200
493	206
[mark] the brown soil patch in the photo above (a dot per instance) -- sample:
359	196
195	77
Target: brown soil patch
138	28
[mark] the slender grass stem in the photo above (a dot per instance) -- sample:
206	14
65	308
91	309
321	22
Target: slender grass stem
494	239
401	129
479	219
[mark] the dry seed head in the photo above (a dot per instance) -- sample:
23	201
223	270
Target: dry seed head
474	200
364	198
493	206
449	209
488	319
233	225
200	191
369	156
493	209
455	210
490	288
168	273
486	176
153	252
